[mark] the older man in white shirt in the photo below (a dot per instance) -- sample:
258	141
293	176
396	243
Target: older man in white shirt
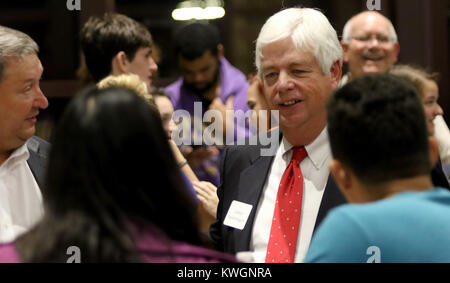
22	156
370	45
269	206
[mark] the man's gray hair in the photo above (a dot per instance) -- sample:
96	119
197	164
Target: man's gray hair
348	29
14	43
309	30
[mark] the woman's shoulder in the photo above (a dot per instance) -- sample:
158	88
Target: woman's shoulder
155	246
180	252
190	253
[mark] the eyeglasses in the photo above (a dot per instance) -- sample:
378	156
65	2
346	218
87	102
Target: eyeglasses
379	37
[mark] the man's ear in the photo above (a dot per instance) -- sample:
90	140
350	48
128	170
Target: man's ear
345	49
340	174
345	180
336	73
434	150
397	51
220	51
120	63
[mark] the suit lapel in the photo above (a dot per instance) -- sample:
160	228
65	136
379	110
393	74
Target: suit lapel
250	189
251	185
36	162
438	176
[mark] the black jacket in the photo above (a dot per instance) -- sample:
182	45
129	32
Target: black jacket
39	150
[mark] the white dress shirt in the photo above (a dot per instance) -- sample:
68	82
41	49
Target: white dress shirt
442	134
20	197
315	175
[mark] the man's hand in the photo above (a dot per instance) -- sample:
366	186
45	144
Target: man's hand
217	105
207	195
196	156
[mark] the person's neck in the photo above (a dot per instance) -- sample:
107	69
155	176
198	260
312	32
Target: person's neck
392	188
213	92
304	135
352	76
4	155
349	77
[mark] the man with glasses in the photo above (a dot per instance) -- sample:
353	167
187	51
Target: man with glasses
370	45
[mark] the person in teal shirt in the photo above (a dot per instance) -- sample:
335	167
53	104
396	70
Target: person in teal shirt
382	158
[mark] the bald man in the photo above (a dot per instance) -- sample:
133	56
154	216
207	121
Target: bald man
370	45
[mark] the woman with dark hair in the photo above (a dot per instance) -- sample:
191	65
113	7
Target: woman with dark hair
113	189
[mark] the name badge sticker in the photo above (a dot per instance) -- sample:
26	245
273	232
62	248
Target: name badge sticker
237	215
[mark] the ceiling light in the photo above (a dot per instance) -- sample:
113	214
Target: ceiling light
199	10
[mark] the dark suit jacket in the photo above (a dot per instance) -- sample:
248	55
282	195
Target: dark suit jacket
438	176
243	175
39	151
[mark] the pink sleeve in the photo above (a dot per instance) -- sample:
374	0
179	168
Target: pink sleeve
8	254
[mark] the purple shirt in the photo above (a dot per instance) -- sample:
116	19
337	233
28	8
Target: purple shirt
8	254
190	188
153	246
232	83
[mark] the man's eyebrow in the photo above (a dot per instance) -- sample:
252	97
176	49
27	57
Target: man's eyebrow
298	63
301	63
31	80
267	67
28	81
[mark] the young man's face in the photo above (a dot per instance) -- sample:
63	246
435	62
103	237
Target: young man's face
200	74
20	101
143	65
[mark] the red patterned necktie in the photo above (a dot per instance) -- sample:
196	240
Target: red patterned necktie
286	217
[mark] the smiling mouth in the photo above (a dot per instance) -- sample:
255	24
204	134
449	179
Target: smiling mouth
290	103
373	58
32	120
32	117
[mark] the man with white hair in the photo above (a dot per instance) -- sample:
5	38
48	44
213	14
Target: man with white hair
270	205
22	155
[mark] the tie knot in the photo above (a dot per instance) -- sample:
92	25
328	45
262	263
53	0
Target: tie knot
298	153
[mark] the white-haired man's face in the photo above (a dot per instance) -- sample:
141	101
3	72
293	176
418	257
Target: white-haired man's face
295	84
371	48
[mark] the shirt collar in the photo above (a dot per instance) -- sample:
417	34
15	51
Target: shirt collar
318	151
17	156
